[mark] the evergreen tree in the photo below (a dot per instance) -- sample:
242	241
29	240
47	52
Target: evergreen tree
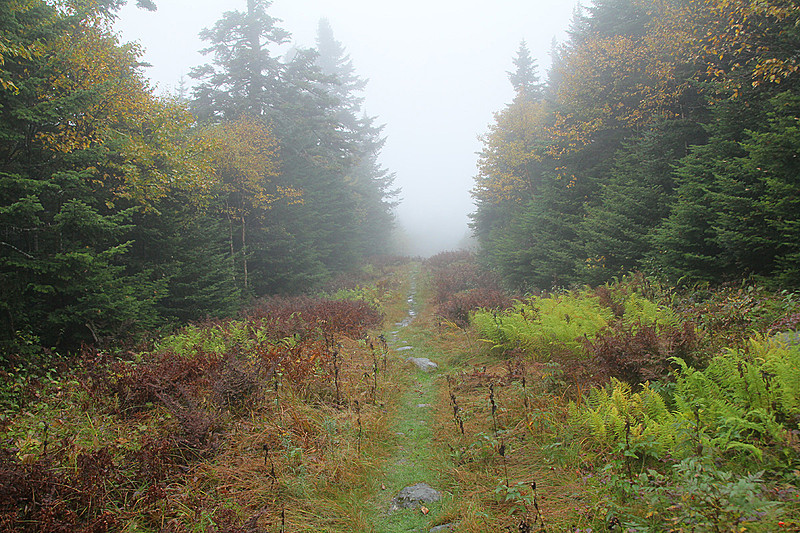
685	244
243	77
717	229
525	78
371	182
64	222
773	157
345	85
537	249
633	199
608	18
328	150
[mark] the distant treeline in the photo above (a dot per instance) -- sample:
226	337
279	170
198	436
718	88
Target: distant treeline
666	139
120	210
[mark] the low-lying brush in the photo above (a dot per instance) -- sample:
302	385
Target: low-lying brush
677	411
717	430
150	447
454	272
302	315
642	353
540	324
458	307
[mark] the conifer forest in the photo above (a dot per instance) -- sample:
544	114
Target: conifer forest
208	323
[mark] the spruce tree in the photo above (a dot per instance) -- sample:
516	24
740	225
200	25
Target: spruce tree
634	197
244	73
371	182
773	158
65	270
525	77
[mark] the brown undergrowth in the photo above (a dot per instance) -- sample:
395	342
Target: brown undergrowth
502	458
621	424
235	426
494	464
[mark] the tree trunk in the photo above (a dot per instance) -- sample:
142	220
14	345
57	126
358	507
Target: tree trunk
254	38
244	251
230	241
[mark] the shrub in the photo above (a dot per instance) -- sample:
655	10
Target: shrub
38	497
698	496
302	315
458	307
642	353
735	314
789	322
162	374
445	259
455	272
235	383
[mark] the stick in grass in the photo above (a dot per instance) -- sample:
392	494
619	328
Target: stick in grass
268	459
501	450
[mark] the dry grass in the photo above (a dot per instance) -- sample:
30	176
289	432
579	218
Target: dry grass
528	420
525	427
276	455
290	457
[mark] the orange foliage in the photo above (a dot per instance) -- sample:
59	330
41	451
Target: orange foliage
152	148
736	40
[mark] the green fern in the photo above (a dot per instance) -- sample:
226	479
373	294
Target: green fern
538	326
745	393
781	372
191	340
740	402
615	415
640	311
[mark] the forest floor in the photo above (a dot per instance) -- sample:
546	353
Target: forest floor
426	444
306	415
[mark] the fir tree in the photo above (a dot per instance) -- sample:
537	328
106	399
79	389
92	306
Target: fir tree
243	76
633	199
525	78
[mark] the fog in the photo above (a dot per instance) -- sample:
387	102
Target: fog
436	71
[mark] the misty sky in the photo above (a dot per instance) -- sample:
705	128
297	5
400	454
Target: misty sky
436	70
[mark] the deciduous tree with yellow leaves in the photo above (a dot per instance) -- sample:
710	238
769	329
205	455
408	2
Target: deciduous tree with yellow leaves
646	122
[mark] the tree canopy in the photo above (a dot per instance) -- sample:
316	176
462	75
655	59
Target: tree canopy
121	210
648	150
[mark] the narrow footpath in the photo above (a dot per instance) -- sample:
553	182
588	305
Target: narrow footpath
411	496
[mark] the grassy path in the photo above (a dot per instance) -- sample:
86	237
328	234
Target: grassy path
413	457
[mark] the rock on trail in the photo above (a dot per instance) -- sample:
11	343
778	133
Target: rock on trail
414	496
423	363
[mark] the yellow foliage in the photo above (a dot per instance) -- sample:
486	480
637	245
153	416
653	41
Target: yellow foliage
89	63
734	39
160	154
245	158
8	49
514	144
634	78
